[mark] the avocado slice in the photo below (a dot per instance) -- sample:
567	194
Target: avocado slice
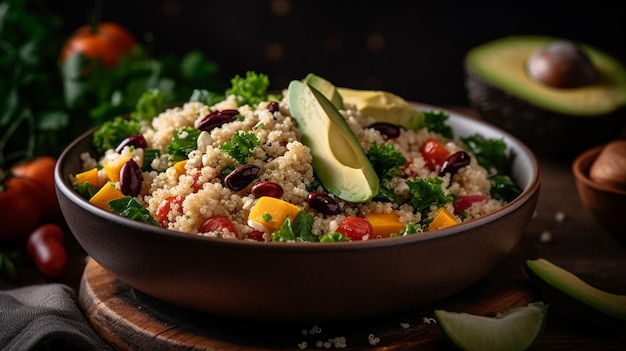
384	106
501	88
339	160
325	87
566	289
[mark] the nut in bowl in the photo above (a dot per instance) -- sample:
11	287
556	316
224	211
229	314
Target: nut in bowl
600	174
346	232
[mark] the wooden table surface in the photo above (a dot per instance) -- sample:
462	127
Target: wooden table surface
577	244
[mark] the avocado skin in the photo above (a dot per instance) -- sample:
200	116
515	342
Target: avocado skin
558	295
546	132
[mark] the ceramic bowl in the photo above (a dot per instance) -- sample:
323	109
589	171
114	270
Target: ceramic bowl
302	282
606	204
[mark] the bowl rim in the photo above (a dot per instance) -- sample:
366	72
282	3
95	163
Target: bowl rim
64	187
581	166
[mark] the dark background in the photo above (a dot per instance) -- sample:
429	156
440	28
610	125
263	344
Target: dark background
412	48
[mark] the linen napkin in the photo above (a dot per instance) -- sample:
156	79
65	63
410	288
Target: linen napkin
45	317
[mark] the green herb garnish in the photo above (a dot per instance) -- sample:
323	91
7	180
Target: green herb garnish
240	146
387	162
128	207
426	192
435	121
183	142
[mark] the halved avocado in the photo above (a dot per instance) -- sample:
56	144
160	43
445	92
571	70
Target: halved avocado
550	118
564	288
339	160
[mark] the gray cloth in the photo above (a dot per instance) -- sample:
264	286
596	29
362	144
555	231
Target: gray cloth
45	317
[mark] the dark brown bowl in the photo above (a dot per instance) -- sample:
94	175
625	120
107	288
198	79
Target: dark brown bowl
606	204
302	282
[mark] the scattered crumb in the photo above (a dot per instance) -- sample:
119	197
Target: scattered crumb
405	325
559	216
373	340
337	342
545	237
535	214
427	320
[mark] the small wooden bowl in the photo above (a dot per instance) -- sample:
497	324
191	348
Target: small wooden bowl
606	204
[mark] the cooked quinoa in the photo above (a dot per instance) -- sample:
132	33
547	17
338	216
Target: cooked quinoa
282	159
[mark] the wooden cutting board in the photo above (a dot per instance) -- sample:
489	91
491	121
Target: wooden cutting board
131	320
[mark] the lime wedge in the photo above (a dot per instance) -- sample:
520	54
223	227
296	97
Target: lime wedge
515	329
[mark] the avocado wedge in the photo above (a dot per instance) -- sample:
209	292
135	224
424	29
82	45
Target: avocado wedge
572	293
325	87
339	160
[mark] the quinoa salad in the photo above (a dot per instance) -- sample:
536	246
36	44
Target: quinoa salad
235	166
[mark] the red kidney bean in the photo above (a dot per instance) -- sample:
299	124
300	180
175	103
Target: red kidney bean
131	178
267	188
323	203
454	162
241	177
136	140
216	119
388	130
273	106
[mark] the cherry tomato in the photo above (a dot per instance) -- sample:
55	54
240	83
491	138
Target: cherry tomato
41	171
166	206
434	153
45	247
462	203
355	228
218	224
20	208
106	42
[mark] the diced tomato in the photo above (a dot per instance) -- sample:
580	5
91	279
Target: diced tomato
218	224
355	228
256	235
165	207
434	153
462	203
196	185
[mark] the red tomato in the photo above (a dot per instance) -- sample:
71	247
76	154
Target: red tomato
165	207
106	42
20	208
256	235
45	247
41	171
434	153
462	203
355	228
218	224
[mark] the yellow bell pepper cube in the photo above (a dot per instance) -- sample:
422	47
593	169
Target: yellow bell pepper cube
442	218
90	176
107	193
271	213
180	167
113	167
383	224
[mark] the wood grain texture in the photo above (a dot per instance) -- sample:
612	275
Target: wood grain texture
131	320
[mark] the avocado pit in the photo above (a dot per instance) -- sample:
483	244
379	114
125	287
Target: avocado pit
562	64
